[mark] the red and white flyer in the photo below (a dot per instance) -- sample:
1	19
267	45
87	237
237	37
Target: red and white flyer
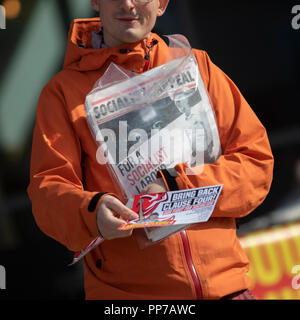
182	207
80	254
174	207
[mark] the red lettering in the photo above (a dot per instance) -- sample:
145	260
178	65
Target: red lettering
135	175
129	177
139	168
145	169
149	166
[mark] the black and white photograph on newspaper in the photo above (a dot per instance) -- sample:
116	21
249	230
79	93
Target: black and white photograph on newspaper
153	121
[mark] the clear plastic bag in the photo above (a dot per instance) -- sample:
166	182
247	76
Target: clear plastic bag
151	121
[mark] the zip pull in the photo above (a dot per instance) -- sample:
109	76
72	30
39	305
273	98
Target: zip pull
154	42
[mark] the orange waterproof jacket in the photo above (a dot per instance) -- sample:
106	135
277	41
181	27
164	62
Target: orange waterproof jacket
205	261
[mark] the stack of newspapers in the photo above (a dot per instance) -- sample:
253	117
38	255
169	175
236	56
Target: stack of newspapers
152	121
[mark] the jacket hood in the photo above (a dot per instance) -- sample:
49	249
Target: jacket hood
138	56
81	56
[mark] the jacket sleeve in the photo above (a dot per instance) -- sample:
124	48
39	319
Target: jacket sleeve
59	202
245	167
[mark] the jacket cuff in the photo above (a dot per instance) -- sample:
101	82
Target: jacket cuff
94	201
90	212
169	177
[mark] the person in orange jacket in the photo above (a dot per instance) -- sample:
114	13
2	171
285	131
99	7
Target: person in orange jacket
75	201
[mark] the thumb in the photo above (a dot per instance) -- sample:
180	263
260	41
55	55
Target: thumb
119	208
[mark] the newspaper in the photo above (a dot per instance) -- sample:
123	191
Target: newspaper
152	121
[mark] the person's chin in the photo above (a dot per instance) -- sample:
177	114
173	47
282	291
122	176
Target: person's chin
131	35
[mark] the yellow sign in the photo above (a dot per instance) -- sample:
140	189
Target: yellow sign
274	256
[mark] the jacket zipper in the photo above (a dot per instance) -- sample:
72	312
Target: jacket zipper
184	238
154	42
147	64
192	269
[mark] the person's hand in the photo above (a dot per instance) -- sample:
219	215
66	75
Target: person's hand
111	214
157	186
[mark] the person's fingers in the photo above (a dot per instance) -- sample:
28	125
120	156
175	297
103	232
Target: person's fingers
108	225
158	186
109	219
119	208
145	190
